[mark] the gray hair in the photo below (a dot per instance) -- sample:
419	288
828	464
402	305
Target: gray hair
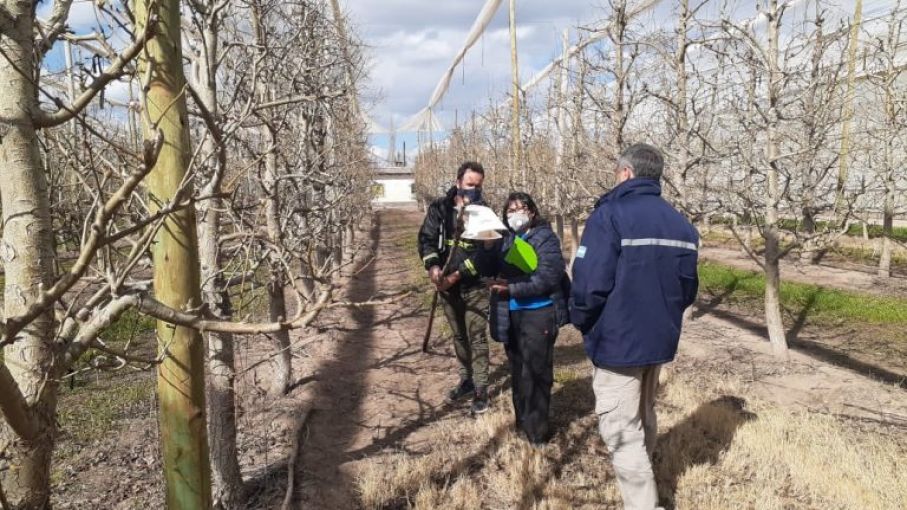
645	160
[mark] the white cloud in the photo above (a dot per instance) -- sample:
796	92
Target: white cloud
413	41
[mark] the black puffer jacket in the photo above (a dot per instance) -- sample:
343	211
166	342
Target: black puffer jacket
436	240
549	279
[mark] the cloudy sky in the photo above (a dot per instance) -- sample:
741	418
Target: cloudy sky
411	43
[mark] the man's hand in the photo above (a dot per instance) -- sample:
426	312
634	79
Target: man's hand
448	281
435	274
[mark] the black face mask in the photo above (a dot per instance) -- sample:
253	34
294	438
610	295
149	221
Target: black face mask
472	195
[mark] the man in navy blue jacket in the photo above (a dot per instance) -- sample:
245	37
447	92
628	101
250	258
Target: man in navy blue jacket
633	277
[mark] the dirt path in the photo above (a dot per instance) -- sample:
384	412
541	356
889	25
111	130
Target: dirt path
375	388
826	276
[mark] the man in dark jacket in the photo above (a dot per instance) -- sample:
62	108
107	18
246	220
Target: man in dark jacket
463	297
633	277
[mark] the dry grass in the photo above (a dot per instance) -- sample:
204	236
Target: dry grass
716	451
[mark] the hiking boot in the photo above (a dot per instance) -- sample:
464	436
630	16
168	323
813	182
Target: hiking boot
480	400
464	388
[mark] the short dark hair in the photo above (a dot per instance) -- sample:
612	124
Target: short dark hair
470	165
646	161
526	199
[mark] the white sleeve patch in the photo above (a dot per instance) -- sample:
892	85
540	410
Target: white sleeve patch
581	252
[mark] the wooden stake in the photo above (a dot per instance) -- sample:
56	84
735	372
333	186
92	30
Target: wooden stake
181	376
848	105
515	121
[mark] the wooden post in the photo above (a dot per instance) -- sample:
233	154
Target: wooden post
848	105
515	121
561	123
181	376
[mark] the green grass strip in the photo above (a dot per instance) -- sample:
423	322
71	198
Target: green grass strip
819	302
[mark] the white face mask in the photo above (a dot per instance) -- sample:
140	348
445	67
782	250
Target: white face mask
518	220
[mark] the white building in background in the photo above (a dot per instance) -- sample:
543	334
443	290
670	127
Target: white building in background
393	185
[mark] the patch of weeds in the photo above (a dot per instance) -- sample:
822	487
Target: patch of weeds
817	302
90	413
131	329
869	256
129	326
250	301
853	230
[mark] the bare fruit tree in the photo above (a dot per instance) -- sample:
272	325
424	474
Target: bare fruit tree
885	133
100	220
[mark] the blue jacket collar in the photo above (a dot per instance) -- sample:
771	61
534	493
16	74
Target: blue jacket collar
637	186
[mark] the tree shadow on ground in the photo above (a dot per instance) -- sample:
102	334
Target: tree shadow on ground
402	313
325	429
803	315
716	300
814	349
428	413
699	439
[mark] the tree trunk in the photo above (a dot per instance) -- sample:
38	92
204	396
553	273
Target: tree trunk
181	376
680	106
559	226
809	251
27	255
772	249
277	304
349	249
277	312
619	30
773	320
747	238
891	166
887	231
222	429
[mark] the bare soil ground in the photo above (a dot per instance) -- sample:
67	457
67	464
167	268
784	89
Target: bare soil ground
737	429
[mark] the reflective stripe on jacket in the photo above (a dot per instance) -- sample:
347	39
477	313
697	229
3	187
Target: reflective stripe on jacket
634	275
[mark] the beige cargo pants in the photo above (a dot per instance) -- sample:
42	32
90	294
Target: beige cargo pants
625	405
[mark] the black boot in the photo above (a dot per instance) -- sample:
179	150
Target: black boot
480	400
464	388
